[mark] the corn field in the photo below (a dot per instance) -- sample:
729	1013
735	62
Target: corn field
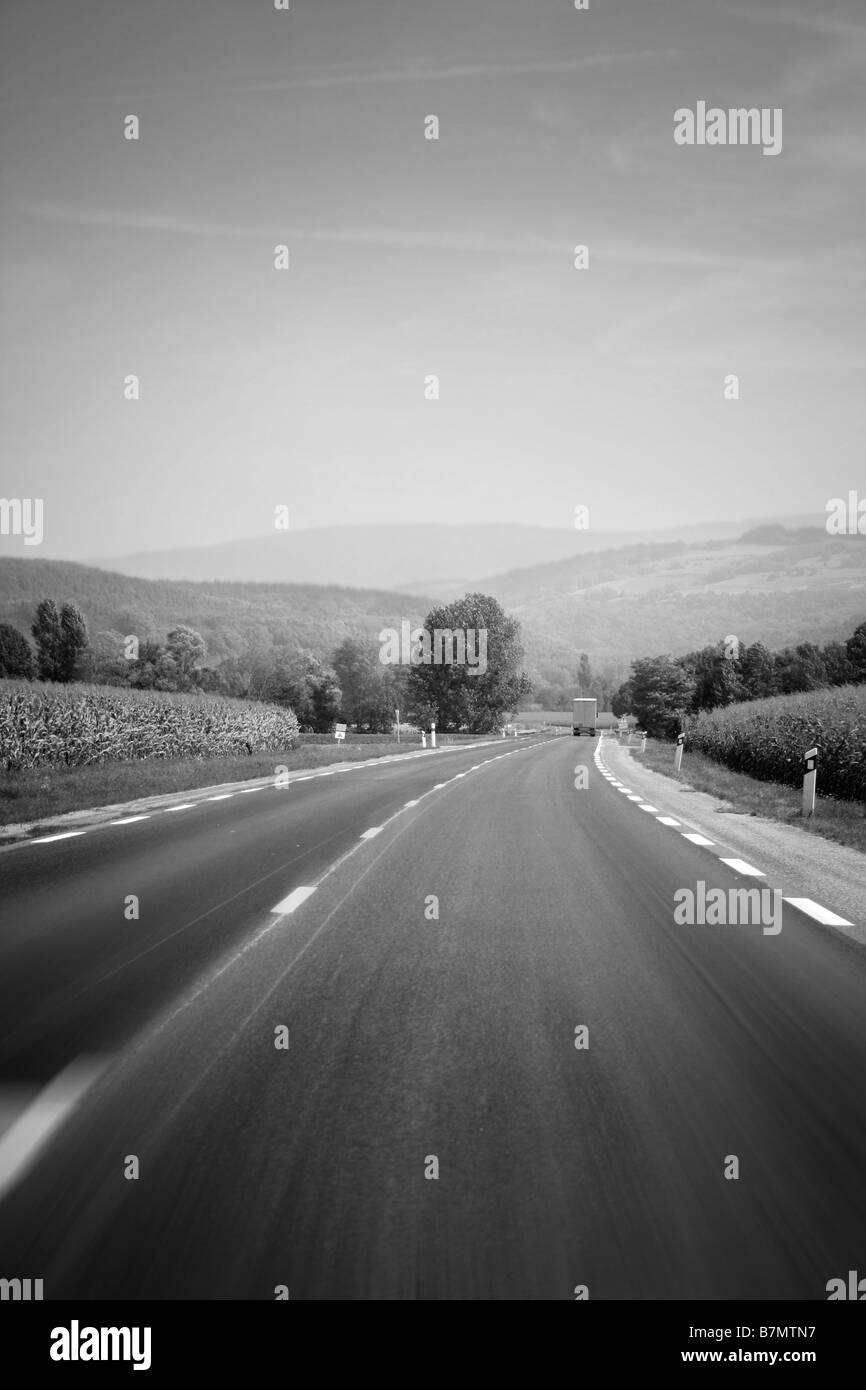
45	725
767	738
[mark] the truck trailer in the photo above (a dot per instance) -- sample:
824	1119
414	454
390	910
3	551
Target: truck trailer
583	717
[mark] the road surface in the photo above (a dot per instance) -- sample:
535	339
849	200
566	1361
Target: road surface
431	1131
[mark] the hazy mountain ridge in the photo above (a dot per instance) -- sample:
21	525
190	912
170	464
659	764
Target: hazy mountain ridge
649	600
450	558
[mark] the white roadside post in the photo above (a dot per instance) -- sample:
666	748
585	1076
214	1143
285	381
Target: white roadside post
643	743
678	756
423	738
432	733
397	712
810	777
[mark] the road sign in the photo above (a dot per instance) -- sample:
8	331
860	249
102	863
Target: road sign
340	732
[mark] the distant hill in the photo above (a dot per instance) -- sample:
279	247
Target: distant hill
228	616
796	586
420	558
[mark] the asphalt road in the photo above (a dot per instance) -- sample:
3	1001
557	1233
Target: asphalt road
414	1039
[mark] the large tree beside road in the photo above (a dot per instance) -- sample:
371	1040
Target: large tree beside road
473	694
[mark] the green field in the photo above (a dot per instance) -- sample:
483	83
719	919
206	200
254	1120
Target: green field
766	739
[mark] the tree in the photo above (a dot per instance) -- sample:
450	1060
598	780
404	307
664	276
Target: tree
187	649
105	662
716	676
466	696
661	694
73	641
758	671
325	698
622	700
584	674
61	639
16	654
800	669
46	635
837	666
856	649
302	682
148	667
355	665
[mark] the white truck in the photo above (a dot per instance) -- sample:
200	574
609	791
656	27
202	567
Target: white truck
583	717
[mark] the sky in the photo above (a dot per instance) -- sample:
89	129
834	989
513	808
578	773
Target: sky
304	388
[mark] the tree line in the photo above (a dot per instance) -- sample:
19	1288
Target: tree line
354	685
663	691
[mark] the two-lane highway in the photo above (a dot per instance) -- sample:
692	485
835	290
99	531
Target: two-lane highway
432	1130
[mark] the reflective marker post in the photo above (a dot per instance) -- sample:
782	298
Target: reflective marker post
810	778
678	756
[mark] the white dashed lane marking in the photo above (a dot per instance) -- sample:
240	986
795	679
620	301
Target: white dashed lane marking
248	791
293	901
821	914
742	867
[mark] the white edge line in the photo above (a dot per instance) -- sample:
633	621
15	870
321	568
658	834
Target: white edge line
820	914
696	839
49	839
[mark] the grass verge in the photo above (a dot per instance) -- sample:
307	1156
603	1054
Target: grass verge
43	792
842	821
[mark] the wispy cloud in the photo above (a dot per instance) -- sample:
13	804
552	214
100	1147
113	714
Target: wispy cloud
358	77
483	241
819	20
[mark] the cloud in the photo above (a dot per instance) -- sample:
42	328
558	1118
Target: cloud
451	72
